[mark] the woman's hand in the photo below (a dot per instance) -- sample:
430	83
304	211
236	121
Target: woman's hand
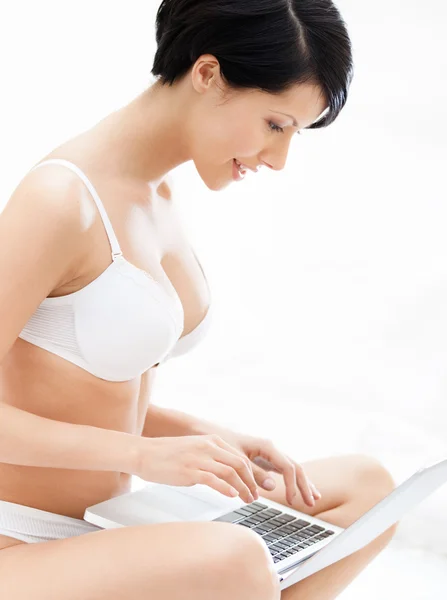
187	460
265	457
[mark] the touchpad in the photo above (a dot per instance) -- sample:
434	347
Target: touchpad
172	502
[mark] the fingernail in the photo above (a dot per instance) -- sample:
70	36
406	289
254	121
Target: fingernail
269	484
317	492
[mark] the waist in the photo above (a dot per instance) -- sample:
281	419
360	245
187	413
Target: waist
61	491
38	382
31	524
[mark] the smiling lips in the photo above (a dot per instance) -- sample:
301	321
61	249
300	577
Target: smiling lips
240	170
244	168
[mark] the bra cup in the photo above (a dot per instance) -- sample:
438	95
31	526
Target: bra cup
127	327
120	324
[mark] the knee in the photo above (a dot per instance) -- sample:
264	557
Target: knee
374	483
250	566
373	477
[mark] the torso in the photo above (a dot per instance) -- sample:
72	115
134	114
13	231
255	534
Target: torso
42	383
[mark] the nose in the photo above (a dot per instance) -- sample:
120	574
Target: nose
277	159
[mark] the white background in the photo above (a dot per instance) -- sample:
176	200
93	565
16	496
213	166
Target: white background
329	279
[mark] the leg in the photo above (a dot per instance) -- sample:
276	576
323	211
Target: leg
141	562
350	485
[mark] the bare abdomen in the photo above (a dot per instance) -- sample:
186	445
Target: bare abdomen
41	383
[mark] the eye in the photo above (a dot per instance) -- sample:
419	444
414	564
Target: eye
274	127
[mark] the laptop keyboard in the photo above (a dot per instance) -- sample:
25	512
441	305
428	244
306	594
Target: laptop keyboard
283	533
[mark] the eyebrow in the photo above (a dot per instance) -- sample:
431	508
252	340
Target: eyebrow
295	122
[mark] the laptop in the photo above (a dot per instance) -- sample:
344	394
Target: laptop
299	545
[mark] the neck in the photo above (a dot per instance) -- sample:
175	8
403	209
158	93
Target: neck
147	138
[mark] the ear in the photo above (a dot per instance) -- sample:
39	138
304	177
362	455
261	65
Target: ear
206	73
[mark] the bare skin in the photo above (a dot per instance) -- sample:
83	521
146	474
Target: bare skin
128	157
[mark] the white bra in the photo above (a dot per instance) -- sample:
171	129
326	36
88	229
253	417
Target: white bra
120	324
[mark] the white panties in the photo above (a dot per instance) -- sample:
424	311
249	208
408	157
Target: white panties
33	525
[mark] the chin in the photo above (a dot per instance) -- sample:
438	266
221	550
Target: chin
213	181
215	186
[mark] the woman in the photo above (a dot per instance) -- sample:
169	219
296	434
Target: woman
100	286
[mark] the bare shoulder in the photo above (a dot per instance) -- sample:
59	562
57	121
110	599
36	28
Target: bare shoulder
57	189
41	233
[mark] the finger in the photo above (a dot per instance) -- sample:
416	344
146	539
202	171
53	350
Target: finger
265	464
211	480
287	468
299	479
228	474
241	473
262	476
316	493
240	463
304	484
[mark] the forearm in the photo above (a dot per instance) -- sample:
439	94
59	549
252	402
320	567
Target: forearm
168	422
30	440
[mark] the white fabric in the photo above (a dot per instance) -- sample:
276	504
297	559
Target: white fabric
33	525
117	326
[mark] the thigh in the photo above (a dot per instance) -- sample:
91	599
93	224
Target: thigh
169	561
7	542
340	479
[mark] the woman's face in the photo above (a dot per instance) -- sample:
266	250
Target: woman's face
250	126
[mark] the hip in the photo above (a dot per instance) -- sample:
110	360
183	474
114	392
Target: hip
33	525
65	492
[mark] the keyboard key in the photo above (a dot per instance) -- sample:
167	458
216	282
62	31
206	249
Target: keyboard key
231	517
302	522
268	526
275	522
285	518
305	534
273	511
298	537
295	526
317	528
285	546
243	511
270	538
258	505
249	508
259	531
262	517
287	528
251	521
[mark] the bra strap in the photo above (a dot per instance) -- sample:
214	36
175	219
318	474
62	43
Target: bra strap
116	250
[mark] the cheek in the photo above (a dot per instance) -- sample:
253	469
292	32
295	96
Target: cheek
230	136
243	139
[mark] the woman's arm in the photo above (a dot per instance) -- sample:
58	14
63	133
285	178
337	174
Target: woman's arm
30	440
167	422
